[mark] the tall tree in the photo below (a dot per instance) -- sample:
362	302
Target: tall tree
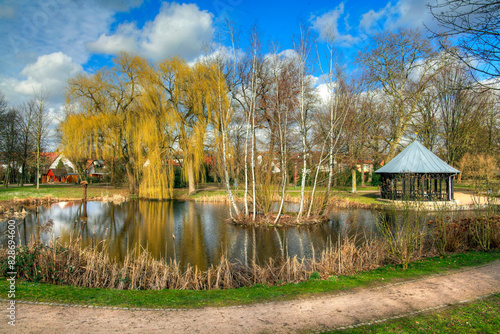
461	111
302	49
26	135
40	128
401	63
108	113
10	142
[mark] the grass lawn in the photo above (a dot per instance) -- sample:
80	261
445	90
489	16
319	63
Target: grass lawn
193	299
59	190
366	195
480	316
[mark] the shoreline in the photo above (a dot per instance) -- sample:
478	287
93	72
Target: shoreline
341	200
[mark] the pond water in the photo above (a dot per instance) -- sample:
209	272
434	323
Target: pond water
190	232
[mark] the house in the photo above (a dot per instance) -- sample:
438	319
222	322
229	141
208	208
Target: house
55	175
96	168
59	169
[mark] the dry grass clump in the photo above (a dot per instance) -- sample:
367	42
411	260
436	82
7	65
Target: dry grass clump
458	235
92	267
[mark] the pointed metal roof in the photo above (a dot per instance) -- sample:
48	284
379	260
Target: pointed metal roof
416	158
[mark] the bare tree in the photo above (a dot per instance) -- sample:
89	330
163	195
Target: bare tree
461	111
402	64
10	141
222	117
476	26
303	47
40	128
26	140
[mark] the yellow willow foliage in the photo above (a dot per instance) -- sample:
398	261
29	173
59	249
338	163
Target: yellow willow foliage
192	94
143	114
77	140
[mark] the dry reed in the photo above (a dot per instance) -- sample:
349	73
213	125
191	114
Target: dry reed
92	267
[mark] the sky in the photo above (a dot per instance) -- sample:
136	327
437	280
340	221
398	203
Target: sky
46	42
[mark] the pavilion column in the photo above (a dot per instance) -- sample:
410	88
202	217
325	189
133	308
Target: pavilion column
440	188
404	186
435	188
452	188
449	188
422	186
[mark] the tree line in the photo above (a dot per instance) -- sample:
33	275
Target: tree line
261	126
24	135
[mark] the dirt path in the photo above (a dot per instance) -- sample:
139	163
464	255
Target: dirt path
321	313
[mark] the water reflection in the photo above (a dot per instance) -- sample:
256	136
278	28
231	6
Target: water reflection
190	232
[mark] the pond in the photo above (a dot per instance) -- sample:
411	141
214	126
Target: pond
190	232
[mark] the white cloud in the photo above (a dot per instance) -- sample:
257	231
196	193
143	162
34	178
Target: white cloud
328	26
49	73
177	30
37	28
125	39
220	53
405	13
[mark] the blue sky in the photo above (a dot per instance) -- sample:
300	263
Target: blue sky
46	42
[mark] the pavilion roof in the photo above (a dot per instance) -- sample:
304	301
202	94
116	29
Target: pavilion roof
417	159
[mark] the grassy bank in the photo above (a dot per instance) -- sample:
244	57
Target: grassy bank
479	316
59	191
206	193
247	295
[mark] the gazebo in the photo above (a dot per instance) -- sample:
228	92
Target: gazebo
417	174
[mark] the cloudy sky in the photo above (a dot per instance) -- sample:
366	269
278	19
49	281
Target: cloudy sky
46	42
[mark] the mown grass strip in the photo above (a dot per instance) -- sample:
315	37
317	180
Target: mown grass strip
57	191
480	316
193	299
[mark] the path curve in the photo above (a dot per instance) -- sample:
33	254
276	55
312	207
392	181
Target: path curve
313	314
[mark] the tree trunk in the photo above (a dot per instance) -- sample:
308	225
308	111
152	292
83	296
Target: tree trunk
353	175
226	176
246	167
38	167
7	174
362	174
131	179
190	173
23	173
254	194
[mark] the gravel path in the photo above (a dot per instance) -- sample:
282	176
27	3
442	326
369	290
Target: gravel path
312	314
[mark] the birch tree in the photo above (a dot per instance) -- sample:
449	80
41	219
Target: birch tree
303	47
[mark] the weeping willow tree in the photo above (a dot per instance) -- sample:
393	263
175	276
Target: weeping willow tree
77	141
191	94
107	101
142	115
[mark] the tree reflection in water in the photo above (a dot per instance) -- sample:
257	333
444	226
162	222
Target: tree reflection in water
201	232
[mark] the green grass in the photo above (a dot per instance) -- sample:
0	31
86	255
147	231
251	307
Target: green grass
193	299
479	316
364	198
59	190
75	191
